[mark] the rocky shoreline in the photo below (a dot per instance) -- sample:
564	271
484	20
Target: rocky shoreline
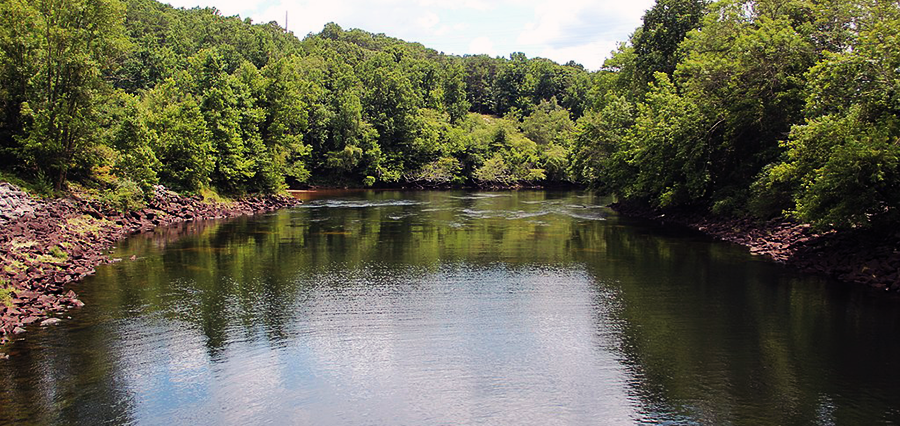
46	245
862	257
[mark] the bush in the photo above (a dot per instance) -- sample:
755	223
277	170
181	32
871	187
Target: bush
125	195
494	171
441	171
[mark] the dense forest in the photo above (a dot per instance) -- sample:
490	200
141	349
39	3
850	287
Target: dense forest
760	108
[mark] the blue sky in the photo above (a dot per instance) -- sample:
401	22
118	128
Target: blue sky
581	30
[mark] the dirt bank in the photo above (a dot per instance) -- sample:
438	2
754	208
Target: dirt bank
866	257
45	245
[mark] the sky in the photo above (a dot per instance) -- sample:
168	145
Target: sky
584	31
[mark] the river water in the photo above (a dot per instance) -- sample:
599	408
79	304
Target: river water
454	308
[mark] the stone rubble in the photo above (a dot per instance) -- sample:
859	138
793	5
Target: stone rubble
47	245
866	257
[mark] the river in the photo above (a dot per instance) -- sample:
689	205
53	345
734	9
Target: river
454	308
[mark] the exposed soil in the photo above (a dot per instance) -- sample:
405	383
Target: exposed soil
866	257
45	245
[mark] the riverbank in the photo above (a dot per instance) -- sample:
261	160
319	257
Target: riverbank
861	257
46	245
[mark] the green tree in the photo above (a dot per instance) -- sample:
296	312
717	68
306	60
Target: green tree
842	167
481	72
18	22
287	114
600	149
549	124
71	45
668	147
134	141
223	100
454	92
664	27
183	143
745	69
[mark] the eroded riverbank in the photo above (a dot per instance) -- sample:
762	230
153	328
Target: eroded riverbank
46	245
863	257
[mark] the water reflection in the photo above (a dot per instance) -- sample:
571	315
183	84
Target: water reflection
526	307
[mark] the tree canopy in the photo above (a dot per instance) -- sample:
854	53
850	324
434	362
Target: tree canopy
764	108
146	93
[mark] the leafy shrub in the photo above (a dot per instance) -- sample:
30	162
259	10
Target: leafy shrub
125	195
494	171
441	171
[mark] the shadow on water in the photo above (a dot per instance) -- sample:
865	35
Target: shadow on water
528	307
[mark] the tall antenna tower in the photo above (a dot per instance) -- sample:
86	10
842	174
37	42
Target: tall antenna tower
285	21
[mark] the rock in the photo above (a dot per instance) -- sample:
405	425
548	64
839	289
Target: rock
39	286
31	320
18	330
50	321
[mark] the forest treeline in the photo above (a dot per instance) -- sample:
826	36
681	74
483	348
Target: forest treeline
141	93
763	107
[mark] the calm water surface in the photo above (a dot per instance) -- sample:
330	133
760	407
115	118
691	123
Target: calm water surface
457	308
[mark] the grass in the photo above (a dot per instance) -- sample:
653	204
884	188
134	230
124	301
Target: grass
44	259
16	263
210	196
40	187
17	260
15	267
86	224
59	253
5	294
123	195
20	244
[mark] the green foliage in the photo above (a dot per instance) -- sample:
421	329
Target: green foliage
5	294
665	26
194	100
549	124
125	195
58	253
667	147
600	149
442	171
746	74
495	171
184	142
134	141
63	62
842	167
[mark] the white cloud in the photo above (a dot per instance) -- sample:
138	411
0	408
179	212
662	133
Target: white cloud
581	30
482	45
457	4
428	20
591	55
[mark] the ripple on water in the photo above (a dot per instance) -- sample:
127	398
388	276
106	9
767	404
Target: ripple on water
584	216
353	204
